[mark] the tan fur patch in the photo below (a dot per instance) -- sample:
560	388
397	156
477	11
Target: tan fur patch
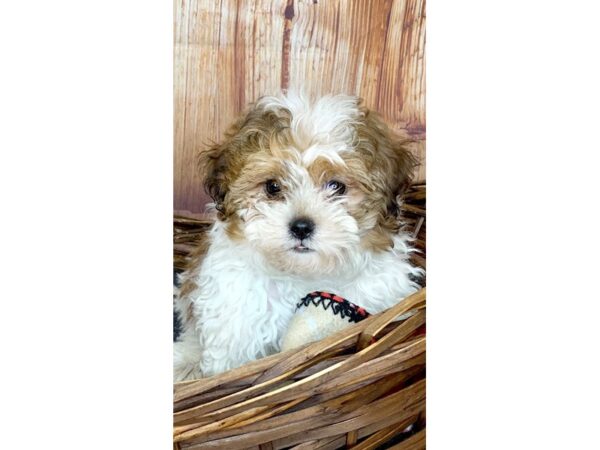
390	166
251	141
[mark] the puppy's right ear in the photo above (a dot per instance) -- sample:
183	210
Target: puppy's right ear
212	163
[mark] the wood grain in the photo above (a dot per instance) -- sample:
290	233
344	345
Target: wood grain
227	53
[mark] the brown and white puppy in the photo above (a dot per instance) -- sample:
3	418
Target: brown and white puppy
306	199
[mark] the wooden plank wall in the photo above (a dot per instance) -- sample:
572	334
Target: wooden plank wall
229	52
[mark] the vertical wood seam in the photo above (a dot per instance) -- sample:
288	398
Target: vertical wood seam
237	61
186	193
286	44
385	43
336	32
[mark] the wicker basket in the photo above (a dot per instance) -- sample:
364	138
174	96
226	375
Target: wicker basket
361	388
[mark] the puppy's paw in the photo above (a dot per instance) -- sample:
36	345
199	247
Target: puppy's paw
186	358
185	372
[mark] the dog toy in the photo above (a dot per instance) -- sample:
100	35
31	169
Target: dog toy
318	315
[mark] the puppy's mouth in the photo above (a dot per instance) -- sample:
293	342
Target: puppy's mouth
301	248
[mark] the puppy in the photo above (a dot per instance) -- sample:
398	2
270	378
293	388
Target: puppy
306	199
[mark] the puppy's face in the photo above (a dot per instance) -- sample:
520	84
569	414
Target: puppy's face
308	186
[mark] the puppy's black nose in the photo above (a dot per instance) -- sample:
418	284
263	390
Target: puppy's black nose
302	228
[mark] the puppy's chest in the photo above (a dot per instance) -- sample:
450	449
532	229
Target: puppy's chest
258	299
235	296
367	291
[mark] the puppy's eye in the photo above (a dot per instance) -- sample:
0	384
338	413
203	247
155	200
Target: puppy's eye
272	187
336	187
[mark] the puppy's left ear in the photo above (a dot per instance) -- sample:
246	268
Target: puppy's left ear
396	163
403	164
